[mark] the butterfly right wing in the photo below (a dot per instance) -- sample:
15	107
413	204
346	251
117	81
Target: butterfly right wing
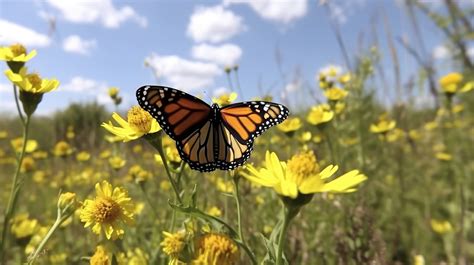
179	114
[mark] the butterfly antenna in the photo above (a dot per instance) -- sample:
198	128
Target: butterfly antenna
209	98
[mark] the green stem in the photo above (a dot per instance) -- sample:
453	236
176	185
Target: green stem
236	194
57	223
17	103
157	143
281	238
14	189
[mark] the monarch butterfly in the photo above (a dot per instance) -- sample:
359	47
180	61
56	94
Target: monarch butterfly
209	137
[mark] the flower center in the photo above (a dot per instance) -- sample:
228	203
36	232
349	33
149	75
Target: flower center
106	210
17	49
139	119
303	165
35	80
218	249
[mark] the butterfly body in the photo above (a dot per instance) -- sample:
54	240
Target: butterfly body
209	137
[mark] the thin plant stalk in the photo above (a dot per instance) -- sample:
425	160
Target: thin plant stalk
15	189
235	180
281	237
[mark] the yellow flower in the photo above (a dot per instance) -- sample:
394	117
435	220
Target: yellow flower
383	125
214	211
305	137
451	82
444	156
225	99
135	257
113	92
70	132
28	164
100	257
441	226
105	154
418	260
23	226
3	134
291	125
137	149
395	135
17	144
39	154
16	53
301	174
139	123
39	176
116	162
110	212
320	114
335	94
345	78
58	258
62	149
66	199
173	244
31	83
83	156
216	249
165	185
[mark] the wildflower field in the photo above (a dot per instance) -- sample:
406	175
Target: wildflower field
363	174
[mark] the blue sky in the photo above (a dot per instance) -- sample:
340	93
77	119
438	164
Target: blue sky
103	43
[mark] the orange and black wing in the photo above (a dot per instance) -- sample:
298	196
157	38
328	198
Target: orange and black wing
179	114
186	119
240	124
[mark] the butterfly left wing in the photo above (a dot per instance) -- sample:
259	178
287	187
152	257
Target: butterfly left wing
179	114
186	119
240	124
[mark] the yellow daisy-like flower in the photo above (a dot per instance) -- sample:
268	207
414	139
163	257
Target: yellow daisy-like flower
62	149
173	244
290	125
335	94
418	260
139	123
3	134
214	211
320	114
216	249
113	92
83	156
225	99
443	156
39	154
441	226
301	174
23	226
16	53
31	83
100	257
17	144
110	212
384	125
450	82
116	162
28	164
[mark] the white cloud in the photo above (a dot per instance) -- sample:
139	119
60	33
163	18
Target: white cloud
76	44
340	10
470	52
440	52
7	104
101	11
88	89
279	11
214	24
12	33
225	55
183	74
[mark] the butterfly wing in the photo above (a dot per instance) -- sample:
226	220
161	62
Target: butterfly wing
179	114
240	124
186	119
